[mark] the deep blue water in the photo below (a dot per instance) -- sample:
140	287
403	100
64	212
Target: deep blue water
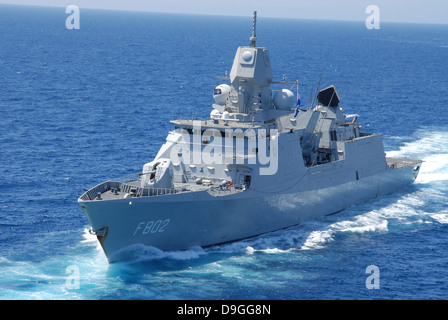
78	107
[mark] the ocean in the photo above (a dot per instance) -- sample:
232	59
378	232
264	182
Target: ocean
81	106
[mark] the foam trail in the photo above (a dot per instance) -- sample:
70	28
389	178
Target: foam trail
370	222
141	253
90	240
88	237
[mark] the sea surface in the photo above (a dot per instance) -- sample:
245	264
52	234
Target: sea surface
80	106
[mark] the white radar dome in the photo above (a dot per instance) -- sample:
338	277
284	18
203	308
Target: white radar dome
221	93
215	114
284	99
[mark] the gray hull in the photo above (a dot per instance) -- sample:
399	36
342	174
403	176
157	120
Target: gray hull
181	221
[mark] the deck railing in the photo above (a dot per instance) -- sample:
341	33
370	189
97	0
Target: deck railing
101	188
124	184
145	192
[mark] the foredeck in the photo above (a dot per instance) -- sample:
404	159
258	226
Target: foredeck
114	190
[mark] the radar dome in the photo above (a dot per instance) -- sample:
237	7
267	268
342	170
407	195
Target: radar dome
221	93
215	114
284	99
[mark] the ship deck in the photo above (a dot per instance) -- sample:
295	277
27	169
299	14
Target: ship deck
114	190
397	163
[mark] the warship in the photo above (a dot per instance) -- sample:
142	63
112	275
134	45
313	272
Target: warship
260	163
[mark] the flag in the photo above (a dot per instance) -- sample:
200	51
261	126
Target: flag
298	102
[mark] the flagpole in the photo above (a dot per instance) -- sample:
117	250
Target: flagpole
298	98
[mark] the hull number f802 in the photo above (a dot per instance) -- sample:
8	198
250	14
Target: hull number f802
148	227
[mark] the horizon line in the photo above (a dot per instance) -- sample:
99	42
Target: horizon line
216	15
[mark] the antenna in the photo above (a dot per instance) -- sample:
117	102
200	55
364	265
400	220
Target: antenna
254	27
318	84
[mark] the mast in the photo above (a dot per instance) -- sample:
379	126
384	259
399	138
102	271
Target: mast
253	38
